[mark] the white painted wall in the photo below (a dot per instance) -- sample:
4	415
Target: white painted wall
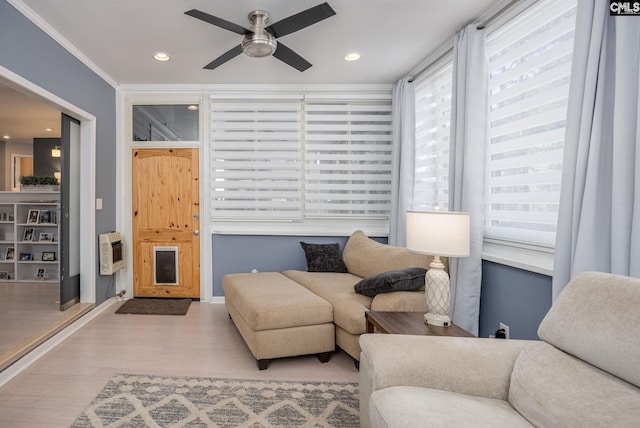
20	147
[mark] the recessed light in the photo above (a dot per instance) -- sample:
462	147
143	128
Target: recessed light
161	56
6	137
193	107
48	129
353	56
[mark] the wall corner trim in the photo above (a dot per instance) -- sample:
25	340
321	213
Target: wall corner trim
61	40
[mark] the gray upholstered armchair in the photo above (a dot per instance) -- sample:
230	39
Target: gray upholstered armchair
585	371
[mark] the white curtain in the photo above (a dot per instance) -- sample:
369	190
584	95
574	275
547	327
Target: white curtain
599	213
466	168
404	126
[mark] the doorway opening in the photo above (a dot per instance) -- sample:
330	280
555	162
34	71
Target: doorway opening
11	82
20	165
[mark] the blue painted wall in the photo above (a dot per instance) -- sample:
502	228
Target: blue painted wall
29	52
515	297
238	253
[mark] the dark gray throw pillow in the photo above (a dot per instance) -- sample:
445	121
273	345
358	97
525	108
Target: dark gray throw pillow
394	280
323	258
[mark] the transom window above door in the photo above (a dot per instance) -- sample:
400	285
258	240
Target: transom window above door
178	122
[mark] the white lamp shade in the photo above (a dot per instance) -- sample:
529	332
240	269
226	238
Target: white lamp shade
438	233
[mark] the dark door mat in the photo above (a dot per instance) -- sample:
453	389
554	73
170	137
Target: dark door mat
155	307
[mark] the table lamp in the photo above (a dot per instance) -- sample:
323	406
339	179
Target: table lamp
438	233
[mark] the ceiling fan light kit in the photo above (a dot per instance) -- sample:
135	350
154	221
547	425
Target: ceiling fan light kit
259	43
260	40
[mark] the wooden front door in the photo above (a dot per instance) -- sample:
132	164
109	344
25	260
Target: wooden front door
166	223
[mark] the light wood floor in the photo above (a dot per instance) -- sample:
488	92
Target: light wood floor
55	389
30	314
25	310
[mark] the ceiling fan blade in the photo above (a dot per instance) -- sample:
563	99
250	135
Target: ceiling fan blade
300	20
218	22
230	54
288	56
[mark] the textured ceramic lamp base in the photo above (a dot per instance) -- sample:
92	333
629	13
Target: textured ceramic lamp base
435	319
437	295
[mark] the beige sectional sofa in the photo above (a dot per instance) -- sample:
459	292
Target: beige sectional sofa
363	257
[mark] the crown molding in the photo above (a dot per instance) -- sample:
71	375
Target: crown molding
61	40
374	89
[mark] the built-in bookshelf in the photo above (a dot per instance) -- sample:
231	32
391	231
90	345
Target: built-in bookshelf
30	240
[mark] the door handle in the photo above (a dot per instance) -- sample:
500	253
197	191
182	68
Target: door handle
196	232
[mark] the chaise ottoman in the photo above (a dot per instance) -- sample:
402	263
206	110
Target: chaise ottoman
277	317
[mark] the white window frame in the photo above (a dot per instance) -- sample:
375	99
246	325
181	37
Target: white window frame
347	160
309	225
535	257
256	160
432	138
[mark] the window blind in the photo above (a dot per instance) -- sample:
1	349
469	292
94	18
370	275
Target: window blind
347	159
256	160
432	134
529	73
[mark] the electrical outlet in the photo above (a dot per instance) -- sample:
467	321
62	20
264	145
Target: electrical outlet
506	329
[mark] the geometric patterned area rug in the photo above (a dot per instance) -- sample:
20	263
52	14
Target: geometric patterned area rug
161	401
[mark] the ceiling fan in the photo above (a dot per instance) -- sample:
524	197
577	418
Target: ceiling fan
260	39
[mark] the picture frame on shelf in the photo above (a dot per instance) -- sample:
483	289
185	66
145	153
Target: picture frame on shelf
48	256
26	257
4	275
33	216
29	233
10	253
46	217
45	237
41	274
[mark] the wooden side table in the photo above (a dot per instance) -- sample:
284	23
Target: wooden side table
409	323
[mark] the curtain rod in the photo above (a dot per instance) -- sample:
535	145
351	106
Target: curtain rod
496	15
438	58
481	26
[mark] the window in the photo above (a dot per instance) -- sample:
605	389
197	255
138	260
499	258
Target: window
165	122
300	161
529	72
433	117
347	160
256	160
